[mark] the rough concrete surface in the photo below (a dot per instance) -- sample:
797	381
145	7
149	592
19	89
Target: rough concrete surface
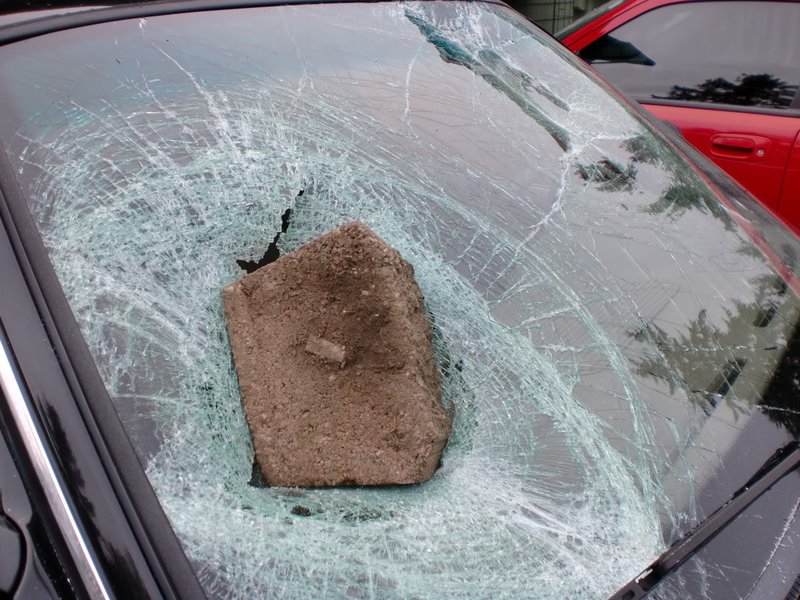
333	353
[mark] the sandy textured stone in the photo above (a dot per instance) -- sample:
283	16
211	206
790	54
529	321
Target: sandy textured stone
333	353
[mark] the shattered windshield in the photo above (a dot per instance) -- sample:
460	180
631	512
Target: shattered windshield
612	345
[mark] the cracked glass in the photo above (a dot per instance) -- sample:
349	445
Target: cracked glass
619	356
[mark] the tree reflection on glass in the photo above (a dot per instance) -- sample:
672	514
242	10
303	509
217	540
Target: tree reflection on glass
756	89
642	148
609	175
781	400
684	192
698	360
705	361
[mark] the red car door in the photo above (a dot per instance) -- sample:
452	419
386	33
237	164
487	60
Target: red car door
789	203
726	73
753	148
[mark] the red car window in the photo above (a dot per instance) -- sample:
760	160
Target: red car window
724	73
737	53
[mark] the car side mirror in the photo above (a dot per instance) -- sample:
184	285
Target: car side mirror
610	49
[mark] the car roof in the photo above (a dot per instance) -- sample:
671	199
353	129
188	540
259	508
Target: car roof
28	18
608	18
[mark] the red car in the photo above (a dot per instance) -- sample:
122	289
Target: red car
726	73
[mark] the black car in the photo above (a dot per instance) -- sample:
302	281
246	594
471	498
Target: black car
615	322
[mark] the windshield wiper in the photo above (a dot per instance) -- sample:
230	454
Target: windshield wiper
783	462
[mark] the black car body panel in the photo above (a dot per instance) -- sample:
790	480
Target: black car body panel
93	476
31	567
